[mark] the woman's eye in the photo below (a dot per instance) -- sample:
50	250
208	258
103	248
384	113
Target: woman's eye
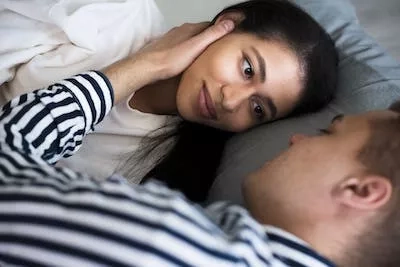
258	111
247	69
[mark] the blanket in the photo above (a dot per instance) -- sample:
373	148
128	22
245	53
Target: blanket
43	41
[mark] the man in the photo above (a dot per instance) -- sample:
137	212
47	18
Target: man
329	199
338	191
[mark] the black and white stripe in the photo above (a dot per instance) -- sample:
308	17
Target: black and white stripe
55	216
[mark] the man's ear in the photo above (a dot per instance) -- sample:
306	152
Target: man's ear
236	17
365	193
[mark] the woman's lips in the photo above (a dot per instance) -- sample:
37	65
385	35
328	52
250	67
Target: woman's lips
206	105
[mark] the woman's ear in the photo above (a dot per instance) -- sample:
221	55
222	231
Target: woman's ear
364	193
236	17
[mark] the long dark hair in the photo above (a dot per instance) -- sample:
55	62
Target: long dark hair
192	160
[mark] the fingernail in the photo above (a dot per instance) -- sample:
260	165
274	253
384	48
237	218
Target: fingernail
228	24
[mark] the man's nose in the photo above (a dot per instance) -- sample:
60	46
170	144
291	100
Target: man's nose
234	95
297	138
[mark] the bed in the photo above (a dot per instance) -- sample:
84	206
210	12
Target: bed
42	44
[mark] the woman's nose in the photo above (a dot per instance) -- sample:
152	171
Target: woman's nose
297	138
234	95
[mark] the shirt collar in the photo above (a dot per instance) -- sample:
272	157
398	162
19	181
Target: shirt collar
293	250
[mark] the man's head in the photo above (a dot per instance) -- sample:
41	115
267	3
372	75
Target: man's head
337	190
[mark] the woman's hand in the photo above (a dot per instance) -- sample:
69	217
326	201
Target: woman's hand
165	57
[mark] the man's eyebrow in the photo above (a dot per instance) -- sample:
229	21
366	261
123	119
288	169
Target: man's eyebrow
261	64
337	118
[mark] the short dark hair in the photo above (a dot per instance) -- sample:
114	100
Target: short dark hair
191	165
379	246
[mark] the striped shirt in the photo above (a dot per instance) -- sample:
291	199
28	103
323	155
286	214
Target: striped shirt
52	216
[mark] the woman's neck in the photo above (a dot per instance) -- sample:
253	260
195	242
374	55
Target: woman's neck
157	98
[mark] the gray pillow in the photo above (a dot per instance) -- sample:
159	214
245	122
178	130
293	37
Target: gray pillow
368	79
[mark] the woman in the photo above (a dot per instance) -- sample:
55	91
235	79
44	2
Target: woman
278	62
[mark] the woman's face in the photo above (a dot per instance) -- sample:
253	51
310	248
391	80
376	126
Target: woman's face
238	82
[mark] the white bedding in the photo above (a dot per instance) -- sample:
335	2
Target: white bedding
43	41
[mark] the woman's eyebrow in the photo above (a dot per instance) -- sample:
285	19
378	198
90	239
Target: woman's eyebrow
261	64
263	76
272	107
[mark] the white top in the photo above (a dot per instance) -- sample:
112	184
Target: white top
114	139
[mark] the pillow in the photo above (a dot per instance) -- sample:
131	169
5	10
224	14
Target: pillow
368	79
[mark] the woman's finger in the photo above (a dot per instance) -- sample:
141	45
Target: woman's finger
200	41
178	58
